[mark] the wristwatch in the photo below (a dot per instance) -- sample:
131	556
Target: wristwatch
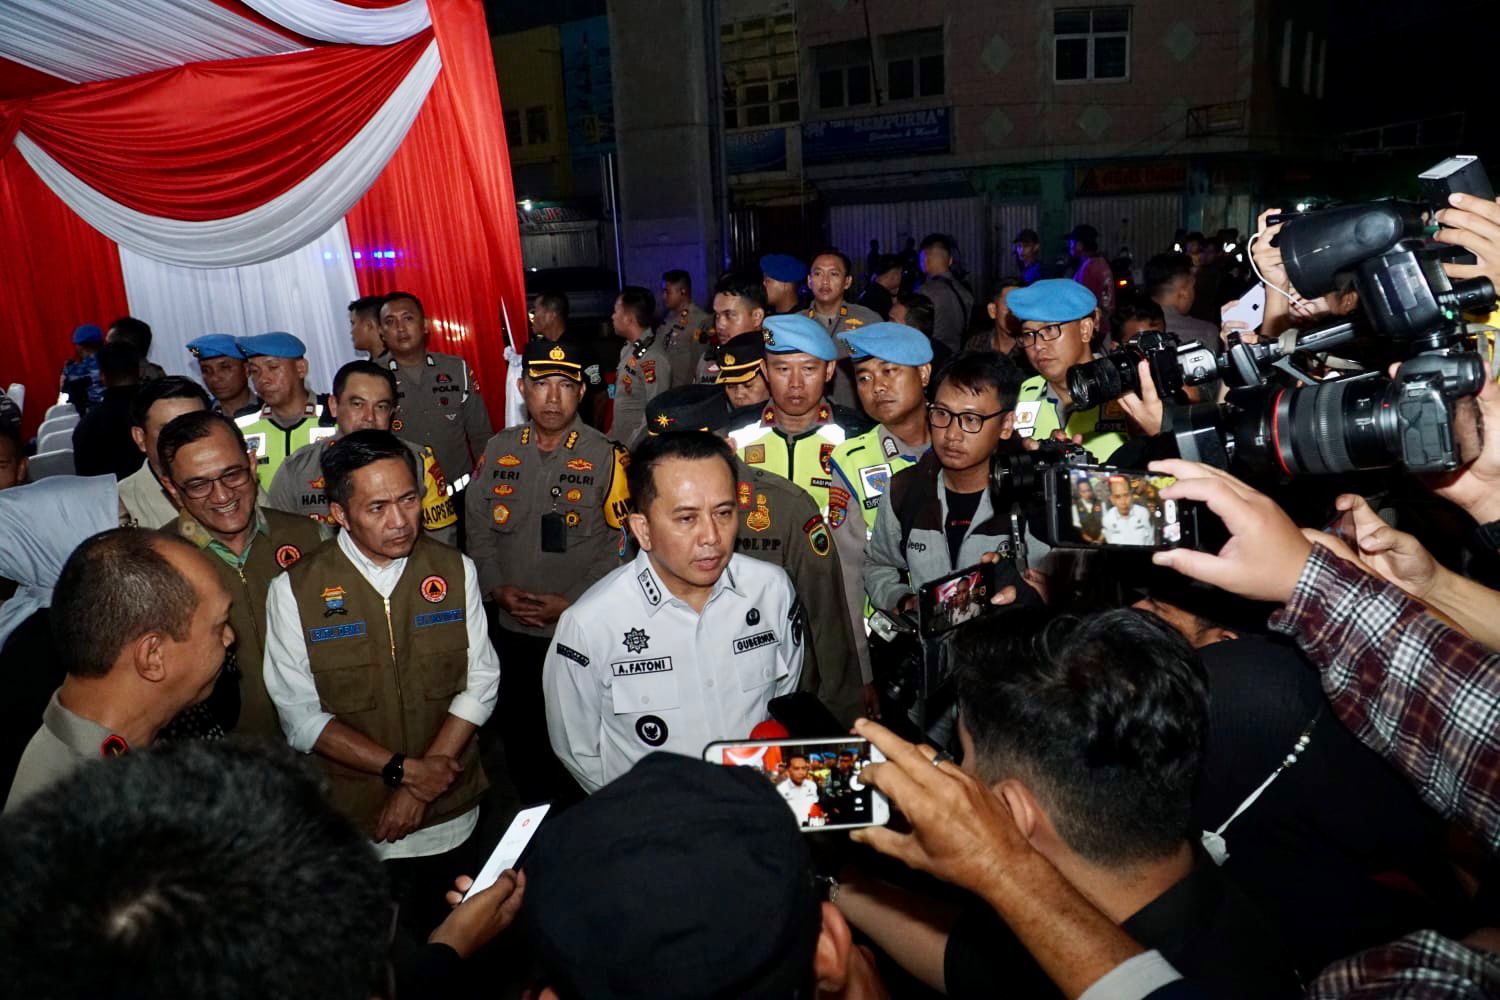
394	770
1487	536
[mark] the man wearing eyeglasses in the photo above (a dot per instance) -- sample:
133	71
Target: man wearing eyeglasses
937	516
1057	330
206	470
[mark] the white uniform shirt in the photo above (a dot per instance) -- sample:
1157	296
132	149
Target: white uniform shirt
800	797
633	669
289	682
1134	528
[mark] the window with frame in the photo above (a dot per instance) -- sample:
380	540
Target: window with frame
537	131
513	128
913	64
759	58
1091	43
843	74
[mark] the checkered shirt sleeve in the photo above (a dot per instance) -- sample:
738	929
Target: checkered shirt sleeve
1420	966
1421	694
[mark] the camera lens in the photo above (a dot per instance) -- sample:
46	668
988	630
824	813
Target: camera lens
1340	426
1102	379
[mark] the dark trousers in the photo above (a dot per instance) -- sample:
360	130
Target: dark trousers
420	885
522	717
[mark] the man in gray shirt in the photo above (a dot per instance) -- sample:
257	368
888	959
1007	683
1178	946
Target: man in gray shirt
1169	282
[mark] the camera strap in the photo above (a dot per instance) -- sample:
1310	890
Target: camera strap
1213	842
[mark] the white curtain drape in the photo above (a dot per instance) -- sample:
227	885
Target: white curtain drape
279	226
84	40
306	293
336	21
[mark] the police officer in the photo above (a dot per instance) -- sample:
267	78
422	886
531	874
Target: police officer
683	327
780	524
796	433
685	645
645	369
892	364
545	522
223	369
364	398
440	405
291	416
737	367
830	278
1057	330
739	308
782	277
364	325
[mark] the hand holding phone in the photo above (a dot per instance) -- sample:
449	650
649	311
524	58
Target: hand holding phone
950	601
1096	506
1248	310
512	845
818	779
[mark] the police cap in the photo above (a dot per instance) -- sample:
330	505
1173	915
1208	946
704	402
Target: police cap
894	342
739	359
783	267
1052	300
799	334
544	357
687	408
272	345
214	345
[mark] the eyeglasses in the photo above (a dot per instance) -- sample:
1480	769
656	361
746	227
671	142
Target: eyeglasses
200	488
1046	333
968	422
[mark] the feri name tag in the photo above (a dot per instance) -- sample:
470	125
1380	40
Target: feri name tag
1026	414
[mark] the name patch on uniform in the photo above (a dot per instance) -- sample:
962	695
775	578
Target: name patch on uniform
633	668
350	630
749	642
432	618
568	652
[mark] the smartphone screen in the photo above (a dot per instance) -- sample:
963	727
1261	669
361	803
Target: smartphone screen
818	779
951	601
1120	508
510	848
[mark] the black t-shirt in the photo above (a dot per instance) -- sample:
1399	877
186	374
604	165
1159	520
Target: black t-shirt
1210	932
961	510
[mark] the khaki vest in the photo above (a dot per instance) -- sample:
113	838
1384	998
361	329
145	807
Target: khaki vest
389	672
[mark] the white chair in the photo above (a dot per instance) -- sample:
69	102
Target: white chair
17	393
66	422
51	463
57	440
59	410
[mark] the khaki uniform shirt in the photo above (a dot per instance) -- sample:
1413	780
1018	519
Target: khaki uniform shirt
684	333
64	742
441	409
644	371
144	500
582	481
848	316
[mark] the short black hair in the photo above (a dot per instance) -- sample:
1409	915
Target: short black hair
119	359
942	240
393	296
1208	606
183	430
191	869
831	252
691	446
114	588
980	370
363	367
133	331
1002	284
346	456
886	262
921	313
1164	269
677	276
555	300
745	285
368	306
1136	307
158	389
1103	717
640	303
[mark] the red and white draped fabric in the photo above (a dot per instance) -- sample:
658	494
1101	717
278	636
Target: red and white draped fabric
237	166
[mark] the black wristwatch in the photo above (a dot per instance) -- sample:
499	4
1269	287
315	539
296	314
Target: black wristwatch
1487	536
394	770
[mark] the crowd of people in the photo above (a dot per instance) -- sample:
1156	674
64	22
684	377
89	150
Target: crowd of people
285	658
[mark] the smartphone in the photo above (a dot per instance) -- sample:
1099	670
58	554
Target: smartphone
1097	506
818	779
1249	310
950	601
508	852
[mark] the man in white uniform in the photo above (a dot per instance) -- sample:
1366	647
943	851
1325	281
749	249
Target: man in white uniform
683	646
800	791
1126	522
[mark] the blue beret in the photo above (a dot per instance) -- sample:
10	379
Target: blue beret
88	333
1052	300
893	342
214	345
797	334
783	267
272	345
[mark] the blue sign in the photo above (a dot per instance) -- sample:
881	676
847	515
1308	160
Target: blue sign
900	133
588	86
749	152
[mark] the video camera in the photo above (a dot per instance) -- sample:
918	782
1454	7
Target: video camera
1422	417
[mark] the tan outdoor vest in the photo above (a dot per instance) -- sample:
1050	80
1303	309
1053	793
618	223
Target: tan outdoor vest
389	673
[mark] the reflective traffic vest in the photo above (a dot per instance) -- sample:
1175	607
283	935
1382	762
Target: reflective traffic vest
1104	428
803	458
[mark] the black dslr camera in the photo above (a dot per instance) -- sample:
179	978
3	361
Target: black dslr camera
1173	366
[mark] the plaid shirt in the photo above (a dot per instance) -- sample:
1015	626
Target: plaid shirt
1421	966
1421	694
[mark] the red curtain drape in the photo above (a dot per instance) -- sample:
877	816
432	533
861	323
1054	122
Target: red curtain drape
441	220
242	131
59	272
